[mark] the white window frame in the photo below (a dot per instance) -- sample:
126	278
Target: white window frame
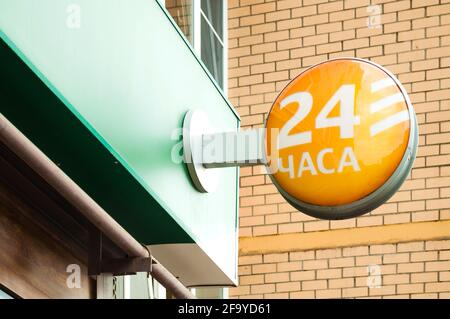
196	32
196	36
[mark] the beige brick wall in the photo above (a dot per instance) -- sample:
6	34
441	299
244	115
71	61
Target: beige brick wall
406	270
270	42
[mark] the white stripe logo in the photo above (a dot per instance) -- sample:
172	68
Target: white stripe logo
381	84
379	105
389	122
386	102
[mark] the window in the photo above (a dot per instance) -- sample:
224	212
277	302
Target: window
212	46
203	22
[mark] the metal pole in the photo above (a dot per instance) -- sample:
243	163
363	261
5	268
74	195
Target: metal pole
49	171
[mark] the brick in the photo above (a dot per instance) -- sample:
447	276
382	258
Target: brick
238	12
250	260
437	286
344	223
281	295
411	14
289	266
425	216
410	288
290	228
356	43
264	209
438	203
329	293
328	253
356	251
410	268
425	172
424	296
262	8
444	255
317	225
424	277
411	206
244	270
397	26
395	279
348	4
302	52
289	24
412	246
398	218
316	39
383	290
314	285
251	280
341	283
304	11
302	255
437	182
355	292
278	15
341	35
315	264
315	20
355	271
331	7
240	290
368	260
401	196
342	262
397	47
251	221
329	273
369	221
395	258
276	56
384	39
437	265
264	230
277	277
329	27
302	295
302	275
382	249
288	4
250	60
438	10
264	288
287	286
329	47
343	15
444	276
264	268
251	20
277	218
253	180
281	257
251	201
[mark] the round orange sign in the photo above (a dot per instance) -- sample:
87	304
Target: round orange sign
341	138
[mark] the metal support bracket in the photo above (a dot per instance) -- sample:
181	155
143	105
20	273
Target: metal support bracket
206	150
117	266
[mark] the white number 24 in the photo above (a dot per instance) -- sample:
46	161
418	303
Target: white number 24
345	121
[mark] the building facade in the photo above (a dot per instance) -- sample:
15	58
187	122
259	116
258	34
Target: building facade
399	250
97	148
95	198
